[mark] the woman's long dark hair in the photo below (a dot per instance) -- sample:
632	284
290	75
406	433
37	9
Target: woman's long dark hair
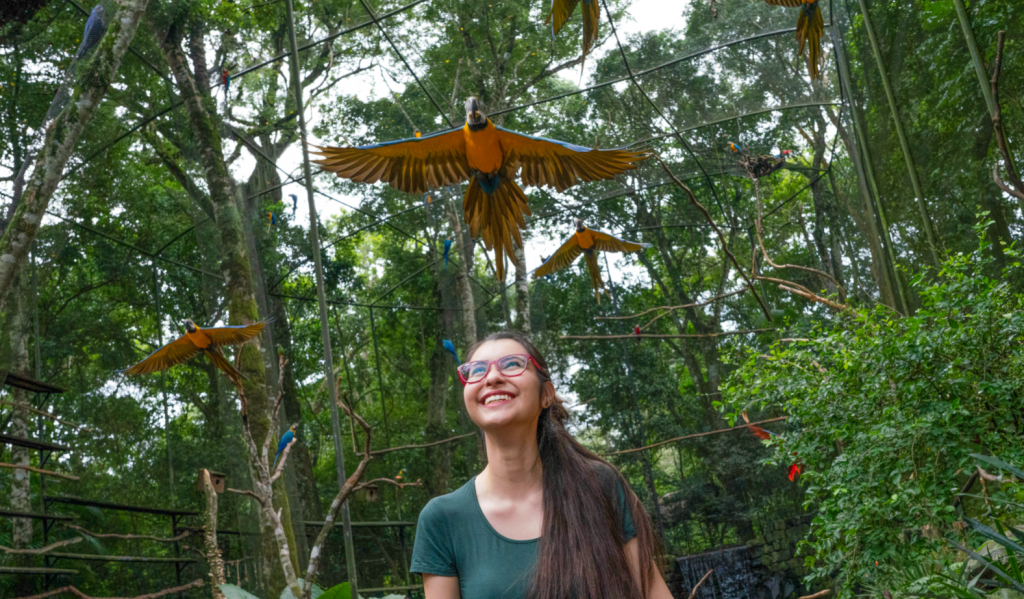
581	552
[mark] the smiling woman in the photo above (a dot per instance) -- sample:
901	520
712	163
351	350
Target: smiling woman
546	519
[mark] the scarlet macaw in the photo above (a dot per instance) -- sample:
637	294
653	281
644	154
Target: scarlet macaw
450	347
636	331
560	12
225	78
196	340
490	157
286	438
587	242
447	248
760	433
810	28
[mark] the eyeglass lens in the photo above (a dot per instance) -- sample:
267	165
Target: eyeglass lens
513	365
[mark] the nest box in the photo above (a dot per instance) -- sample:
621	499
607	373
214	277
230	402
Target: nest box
217	478
371	492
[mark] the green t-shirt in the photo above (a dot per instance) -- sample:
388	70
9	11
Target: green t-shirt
454	538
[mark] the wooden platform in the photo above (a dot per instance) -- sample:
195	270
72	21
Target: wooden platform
37	571
91	557
32	443
5	513
116	506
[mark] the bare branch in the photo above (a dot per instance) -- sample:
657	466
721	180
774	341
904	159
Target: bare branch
389	481
722	430
997	124
649	336
280	462
70	589
116	536
41	550
693	593
249	493
39	470
48	415
420	446
671	308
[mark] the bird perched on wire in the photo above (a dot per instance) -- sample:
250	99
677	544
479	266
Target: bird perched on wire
198	340
560	12
95	27
587	242
488	156
810	28
295	203
450	348
286	438
447	248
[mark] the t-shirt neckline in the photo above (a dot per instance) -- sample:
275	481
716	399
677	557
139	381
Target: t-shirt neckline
483	516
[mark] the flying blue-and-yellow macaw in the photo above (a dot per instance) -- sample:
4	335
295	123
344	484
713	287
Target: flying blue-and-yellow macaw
196	340
447	248
490	157
286	438
587	242
560	12
450	348
295	203
810	28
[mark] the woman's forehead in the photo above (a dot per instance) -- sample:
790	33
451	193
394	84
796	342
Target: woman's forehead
492	350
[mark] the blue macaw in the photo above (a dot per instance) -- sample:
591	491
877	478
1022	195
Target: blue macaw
272	220
95	27
735	147
450	347
295	203
447	248
286	438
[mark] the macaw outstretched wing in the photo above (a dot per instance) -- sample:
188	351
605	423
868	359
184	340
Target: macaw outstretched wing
175	352
560	12
412	165
561	165
563	256
610	243
233	335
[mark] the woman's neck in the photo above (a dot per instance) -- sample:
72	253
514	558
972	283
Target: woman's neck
513	463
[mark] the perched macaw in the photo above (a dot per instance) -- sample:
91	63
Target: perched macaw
286	438
560	12
760	433
450	347
636	331
225	78
735	147
271	220
587	242
196	340
810	28
490	157
781	154
295	203
95	27
447	248
794	470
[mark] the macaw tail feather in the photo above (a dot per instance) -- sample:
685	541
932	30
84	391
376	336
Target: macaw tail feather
591	19
222	363
595	273
810	27
275	461
496	218
561	10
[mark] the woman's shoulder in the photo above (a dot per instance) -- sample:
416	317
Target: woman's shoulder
454	504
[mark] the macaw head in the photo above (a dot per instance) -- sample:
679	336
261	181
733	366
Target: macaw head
579	225
190	326
473	114
292	428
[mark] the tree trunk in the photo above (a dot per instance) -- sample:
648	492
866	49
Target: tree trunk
239	287
439	457
522	321
20	327
61	137
212	553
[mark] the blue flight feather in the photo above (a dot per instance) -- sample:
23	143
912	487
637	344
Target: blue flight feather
285	440
447	248
95	27
295	203
450	347
489	185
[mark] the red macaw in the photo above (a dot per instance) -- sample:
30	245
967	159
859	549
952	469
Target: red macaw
760	433
490	157
560	12
810	28
196	340
587	242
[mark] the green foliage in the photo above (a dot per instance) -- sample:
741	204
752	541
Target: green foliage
885	412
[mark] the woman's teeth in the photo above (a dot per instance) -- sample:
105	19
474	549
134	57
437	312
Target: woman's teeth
495	398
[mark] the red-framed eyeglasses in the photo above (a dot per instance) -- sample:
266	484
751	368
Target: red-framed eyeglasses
510	366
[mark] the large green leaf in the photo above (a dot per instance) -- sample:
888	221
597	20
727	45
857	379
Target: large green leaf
995	569
232	592
987	532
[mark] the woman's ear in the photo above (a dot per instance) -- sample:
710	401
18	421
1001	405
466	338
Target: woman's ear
547	394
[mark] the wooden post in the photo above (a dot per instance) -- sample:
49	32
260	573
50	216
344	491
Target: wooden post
212	553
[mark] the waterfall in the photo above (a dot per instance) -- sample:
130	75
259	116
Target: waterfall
733	576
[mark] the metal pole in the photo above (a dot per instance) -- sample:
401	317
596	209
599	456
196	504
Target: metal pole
863	165
926	222
972	45
163	382
314	239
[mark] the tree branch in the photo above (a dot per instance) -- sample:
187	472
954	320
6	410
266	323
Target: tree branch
649	336
41	550
116	536
39	470
997	124
70	589
723	430
419	446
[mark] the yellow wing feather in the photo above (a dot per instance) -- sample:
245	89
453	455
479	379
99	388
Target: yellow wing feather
609	243
175	352
561	10
563	257
234	335
595	274
412	165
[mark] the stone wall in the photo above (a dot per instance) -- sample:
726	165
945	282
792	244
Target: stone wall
777	560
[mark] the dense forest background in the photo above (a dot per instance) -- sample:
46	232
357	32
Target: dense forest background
177	203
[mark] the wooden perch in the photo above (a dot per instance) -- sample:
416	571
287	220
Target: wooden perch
693	592
48	415
818	595
70	589
249	493
41	550
100	535
389	481
721	430
419	446
39	470
650	336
